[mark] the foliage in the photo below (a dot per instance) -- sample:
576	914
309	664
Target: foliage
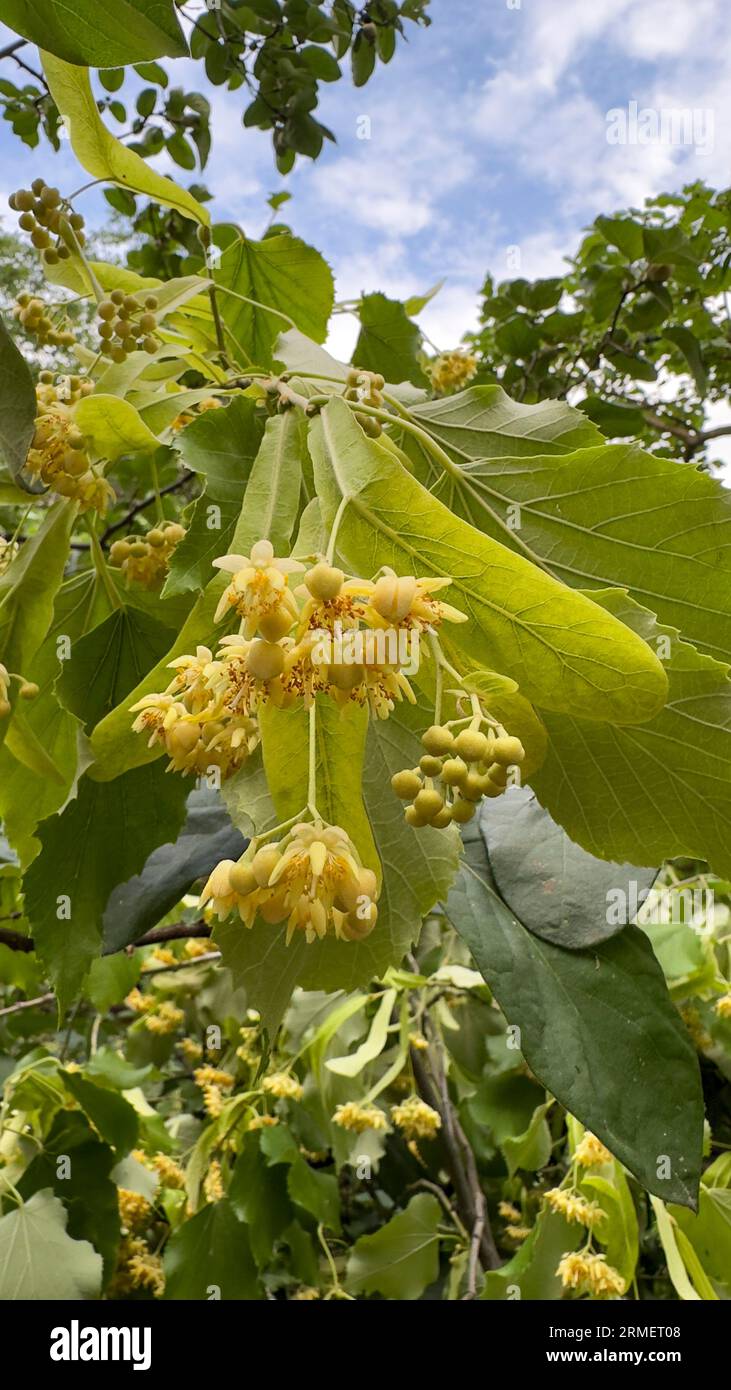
277	51
345	724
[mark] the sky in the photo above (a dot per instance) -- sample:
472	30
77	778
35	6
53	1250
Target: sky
488	132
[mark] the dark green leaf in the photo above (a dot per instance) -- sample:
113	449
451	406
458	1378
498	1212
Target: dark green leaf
598	1030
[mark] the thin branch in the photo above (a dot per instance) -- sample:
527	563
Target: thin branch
28	1004
178	931
143	505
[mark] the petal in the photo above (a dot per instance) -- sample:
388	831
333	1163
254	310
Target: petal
232	563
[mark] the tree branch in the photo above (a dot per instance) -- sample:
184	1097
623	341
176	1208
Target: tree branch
178	931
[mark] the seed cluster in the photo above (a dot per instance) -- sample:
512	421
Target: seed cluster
144	559
456	771
55	230
31	314
127	322
366	387
58	454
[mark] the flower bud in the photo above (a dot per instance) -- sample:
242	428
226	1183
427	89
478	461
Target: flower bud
264	660
406	784
438	739
471	745
264	863
324	581
507	751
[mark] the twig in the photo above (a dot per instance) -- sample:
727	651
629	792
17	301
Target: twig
143	505
178	931
27	1004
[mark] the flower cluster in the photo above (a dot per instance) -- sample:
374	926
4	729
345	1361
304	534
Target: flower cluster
590	1151
127	322
58	455
348	638
456	772
576	1209
145	559
54	228
416	1119
590	1274
283	1086
359	1117
312	879
451	371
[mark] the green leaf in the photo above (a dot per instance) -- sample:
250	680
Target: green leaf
259	1197
557	645
28	589
111	1115
316	1192
669	780
388	341
710	1231
99	33
38	1260
530	1150
592	518
624	233
484	423
290	282
74	874
402	1259
554	887
532	1270
221	446
110	661
692	352
597	1029
84	1184
353	1063
210	1256
418	865
99	153
619	1231
17	410
206	838
25	800
114	427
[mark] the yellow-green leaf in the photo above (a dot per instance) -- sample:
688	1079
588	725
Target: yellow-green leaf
565	653
99	152
114	427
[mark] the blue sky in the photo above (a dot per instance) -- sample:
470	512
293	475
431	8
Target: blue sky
488	132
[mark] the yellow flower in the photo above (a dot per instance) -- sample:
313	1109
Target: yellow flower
450	371
190	1049
263	1122
8	552
305	1294
312	879
283	1086
146	1272
509	1212
416	1119
573	1207
140	1003
723	1006
213	1076
213	1184
135	1212
358	1118
166	1019
517	1232
590	1274
405	601
195	946
590	1151
171	1174
259	589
